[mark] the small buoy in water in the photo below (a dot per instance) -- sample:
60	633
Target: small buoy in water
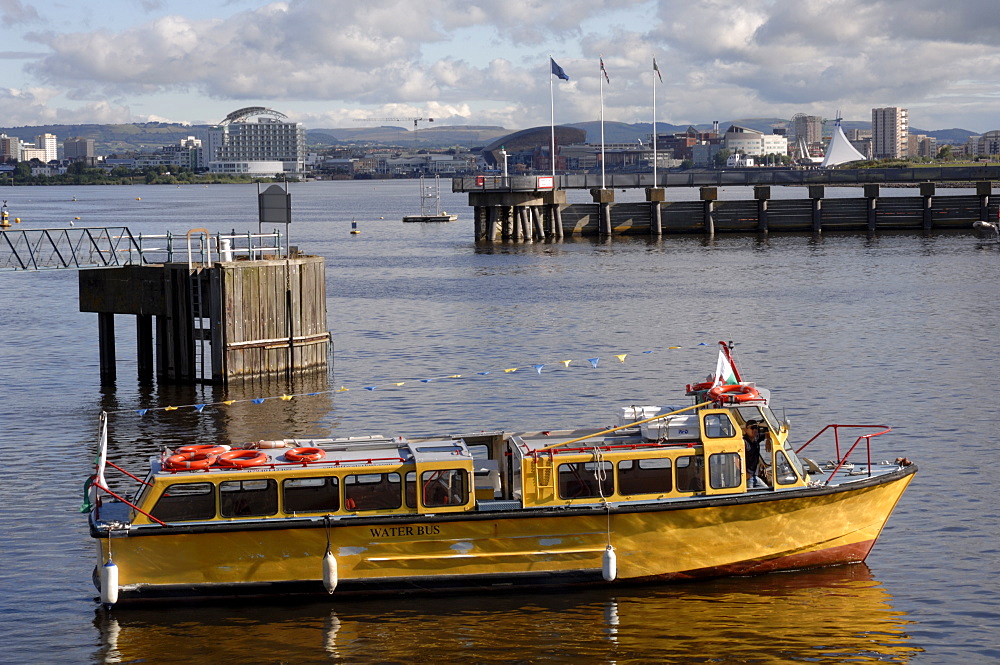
609	565
109	583
330	572
76	218
138	198
354	227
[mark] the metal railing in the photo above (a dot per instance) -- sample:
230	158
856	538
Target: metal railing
731	177
115	246
842	459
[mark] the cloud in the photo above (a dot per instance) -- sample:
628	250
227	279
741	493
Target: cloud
33	106
14	12
719	58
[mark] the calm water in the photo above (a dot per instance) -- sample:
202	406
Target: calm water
898	329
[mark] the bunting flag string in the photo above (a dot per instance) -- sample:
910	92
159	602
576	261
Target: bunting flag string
538	367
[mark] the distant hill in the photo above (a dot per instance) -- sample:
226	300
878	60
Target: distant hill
426	135
114	138
153	135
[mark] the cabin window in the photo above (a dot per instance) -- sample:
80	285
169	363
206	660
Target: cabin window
373	491
690	477
480	451
311	495
644	476
185	501
248	498
719	425
410	489
784	474
586	480
725	470
444	487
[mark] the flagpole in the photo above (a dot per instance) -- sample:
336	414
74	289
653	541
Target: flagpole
654	127
600	75
552	110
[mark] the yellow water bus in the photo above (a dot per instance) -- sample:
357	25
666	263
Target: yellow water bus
714	488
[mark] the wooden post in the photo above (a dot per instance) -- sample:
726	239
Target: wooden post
655	196
709	196
871	194
144	346
927	192
106	346
762	194
816	194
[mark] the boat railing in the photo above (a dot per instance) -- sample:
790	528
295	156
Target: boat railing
842	459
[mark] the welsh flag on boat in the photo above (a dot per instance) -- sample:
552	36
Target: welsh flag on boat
724	372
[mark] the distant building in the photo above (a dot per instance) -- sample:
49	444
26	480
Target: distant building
49	146
921	145
681	144
79	150
10	147
890	129
808	127
255	141
987	144
752	142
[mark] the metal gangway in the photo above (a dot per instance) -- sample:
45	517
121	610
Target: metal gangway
115	246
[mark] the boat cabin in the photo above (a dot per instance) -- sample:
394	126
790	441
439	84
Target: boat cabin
654	454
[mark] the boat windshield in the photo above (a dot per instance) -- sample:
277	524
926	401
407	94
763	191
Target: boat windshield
756	412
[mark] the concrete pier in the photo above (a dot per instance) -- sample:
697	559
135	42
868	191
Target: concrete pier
518	215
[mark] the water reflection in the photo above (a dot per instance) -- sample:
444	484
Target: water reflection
827	616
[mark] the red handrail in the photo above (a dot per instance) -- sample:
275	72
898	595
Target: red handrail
836	438
127	502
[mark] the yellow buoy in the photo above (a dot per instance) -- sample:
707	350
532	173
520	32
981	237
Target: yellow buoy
138	198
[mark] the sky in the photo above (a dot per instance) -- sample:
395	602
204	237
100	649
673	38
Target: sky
342	63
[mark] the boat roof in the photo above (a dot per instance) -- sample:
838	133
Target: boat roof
349	451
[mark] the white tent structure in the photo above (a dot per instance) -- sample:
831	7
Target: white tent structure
840	150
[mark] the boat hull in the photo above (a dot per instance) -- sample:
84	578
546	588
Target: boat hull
501	549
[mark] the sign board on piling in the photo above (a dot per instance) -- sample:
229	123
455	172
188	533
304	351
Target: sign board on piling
275	205
545	182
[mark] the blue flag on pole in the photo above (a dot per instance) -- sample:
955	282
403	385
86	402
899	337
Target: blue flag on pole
558	71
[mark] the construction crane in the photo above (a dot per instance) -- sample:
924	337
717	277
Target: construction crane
415	120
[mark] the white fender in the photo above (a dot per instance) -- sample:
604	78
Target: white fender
330	572
609	564
109	583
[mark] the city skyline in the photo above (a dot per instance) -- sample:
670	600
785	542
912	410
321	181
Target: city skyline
481	63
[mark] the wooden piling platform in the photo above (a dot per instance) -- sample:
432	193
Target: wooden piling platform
214	323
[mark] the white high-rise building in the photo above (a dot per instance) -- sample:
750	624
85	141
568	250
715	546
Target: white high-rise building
890	133
254	140
48	144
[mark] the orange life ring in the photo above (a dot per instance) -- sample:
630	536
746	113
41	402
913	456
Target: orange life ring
242	458
736	392
207	448
305	454
190	460
695	387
